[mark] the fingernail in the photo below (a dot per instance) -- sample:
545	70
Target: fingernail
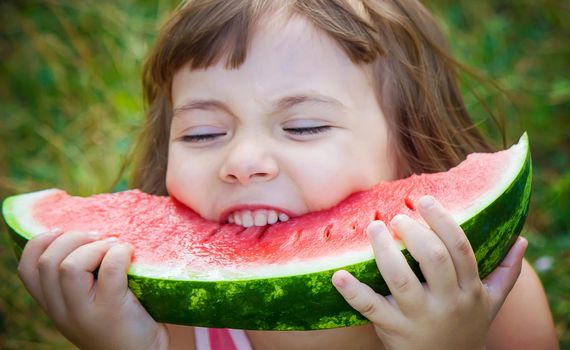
51	232
378	227
382	227
339	280
111	240
426	202
375	231
93	234
397	220
524	242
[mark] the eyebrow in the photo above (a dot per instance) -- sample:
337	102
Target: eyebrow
281	105
289	102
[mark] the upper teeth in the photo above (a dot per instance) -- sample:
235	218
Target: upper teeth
260	217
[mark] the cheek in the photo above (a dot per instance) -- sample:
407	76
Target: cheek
174	180
193	188
327	177
186	182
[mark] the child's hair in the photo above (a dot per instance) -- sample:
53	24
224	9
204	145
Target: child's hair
415	77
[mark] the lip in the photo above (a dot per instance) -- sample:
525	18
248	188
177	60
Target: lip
226	213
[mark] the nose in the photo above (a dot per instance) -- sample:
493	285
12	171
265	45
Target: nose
248	161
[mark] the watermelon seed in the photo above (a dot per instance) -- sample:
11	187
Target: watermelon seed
377	215
409	203
354	226
327	231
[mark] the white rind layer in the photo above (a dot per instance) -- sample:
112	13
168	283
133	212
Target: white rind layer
248	272
22	209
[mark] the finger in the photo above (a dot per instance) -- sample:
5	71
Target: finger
451	234
500	282
76	273
49	265
428	249
399	277
28	265
363	298
112	282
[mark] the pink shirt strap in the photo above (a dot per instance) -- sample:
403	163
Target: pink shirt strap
221	339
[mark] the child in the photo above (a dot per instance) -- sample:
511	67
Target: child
264	110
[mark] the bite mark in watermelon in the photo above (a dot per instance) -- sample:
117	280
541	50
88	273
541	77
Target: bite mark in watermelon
191	271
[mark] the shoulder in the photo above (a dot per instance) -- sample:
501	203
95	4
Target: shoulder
525	320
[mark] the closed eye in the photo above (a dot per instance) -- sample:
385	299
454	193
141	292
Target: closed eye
201	137
309	130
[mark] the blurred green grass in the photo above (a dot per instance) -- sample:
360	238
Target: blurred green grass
70	105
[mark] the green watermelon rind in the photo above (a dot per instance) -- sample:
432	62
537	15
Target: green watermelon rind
309	301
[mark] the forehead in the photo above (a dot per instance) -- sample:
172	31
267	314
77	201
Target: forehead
296	42
285	53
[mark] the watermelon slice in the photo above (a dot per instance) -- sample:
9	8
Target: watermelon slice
191	271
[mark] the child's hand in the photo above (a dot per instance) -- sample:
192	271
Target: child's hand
92	313
454	309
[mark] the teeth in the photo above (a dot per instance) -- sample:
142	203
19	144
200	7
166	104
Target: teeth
272	217
260	218
247	218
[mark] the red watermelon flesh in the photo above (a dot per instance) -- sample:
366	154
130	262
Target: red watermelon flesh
165	233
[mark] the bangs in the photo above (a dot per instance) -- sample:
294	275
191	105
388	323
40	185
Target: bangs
203	32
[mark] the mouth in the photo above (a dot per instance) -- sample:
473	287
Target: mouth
248	217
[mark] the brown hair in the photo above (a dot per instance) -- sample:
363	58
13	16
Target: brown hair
415	76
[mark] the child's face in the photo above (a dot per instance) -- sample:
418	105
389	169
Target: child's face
296	128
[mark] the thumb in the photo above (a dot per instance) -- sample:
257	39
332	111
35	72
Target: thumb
500	282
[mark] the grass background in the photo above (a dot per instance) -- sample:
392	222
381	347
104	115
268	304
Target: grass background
70	104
